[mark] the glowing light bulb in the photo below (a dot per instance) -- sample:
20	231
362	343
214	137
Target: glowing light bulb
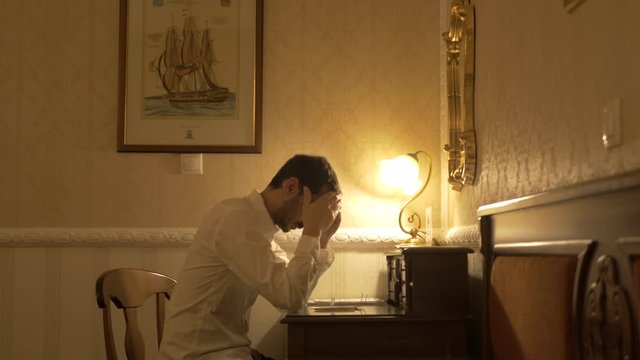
402	173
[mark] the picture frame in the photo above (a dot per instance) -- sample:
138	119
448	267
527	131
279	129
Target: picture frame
190	76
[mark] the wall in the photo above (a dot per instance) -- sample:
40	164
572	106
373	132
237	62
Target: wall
353	80
47	285
543	77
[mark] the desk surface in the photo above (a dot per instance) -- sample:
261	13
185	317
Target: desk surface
373	331
360	313
344	311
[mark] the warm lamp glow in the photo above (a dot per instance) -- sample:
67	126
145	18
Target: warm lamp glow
402	173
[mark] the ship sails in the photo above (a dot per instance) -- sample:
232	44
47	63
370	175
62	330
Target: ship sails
185	66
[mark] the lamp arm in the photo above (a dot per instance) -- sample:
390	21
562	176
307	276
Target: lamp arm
413	216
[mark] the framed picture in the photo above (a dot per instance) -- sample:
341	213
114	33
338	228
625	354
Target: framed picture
570	5
190	76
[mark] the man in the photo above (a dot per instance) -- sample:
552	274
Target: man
233	259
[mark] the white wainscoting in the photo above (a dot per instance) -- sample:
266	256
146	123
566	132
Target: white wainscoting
47	278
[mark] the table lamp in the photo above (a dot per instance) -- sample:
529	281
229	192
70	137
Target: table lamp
403	172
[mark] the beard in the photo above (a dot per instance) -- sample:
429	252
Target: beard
287	215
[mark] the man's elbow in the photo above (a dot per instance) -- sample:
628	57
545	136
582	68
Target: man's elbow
290	304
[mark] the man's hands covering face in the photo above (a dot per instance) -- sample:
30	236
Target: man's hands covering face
322	216
326	235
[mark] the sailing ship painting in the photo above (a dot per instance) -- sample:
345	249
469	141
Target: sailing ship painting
184	73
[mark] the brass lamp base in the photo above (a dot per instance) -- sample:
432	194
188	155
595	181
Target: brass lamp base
413	242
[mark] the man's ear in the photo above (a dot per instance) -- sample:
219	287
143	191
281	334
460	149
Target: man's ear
291	186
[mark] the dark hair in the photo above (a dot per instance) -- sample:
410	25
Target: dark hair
315	172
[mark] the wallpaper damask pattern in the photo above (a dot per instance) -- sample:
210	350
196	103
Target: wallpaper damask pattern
543	77
354	80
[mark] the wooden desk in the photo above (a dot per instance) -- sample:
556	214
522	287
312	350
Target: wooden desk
375	332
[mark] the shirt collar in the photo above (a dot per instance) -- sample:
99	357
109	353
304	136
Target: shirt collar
263	221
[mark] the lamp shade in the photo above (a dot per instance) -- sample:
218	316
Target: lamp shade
402	173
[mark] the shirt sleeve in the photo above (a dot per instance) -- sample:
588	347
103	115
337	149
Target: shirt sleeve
325	259
249	255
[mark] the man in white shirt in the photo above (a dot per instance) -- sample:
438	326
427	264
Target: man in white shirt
233	259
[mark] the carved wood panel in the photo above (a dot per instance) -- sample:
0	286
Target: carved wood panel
608	332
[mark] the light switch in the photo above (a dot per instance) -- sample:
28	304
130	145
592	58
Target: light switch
611	124
191	164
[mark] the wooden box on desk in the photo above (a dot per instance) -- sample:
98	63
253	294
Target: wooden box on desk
430	281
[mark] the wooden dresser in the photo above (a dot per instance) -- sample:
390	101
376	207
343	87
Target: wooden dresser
562	273
426	316
429	281
375	332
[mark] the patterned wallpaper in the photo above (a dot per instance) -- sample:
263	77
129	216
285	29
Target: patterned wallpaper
543	77
356	81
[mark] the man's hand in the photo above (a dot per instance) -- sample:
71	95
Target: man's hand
326	235
319	215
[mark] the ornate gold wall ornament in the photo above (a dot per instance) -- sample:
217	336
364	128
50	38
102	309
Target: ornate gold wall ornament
460	40
607	332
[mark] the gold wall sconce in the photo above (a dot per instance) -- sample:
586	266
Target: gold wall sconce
403	172
460	40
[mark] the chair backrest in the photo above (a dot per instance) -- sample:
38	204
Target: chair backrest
128	289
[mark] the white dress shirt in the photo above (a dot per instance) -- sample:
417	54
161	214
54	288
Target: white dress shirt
232	259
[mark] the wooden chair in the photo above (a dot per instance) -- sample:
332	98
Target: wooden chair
128	289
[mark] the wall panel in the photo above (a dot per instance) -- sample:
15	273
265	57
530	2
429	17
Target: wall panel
47	282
